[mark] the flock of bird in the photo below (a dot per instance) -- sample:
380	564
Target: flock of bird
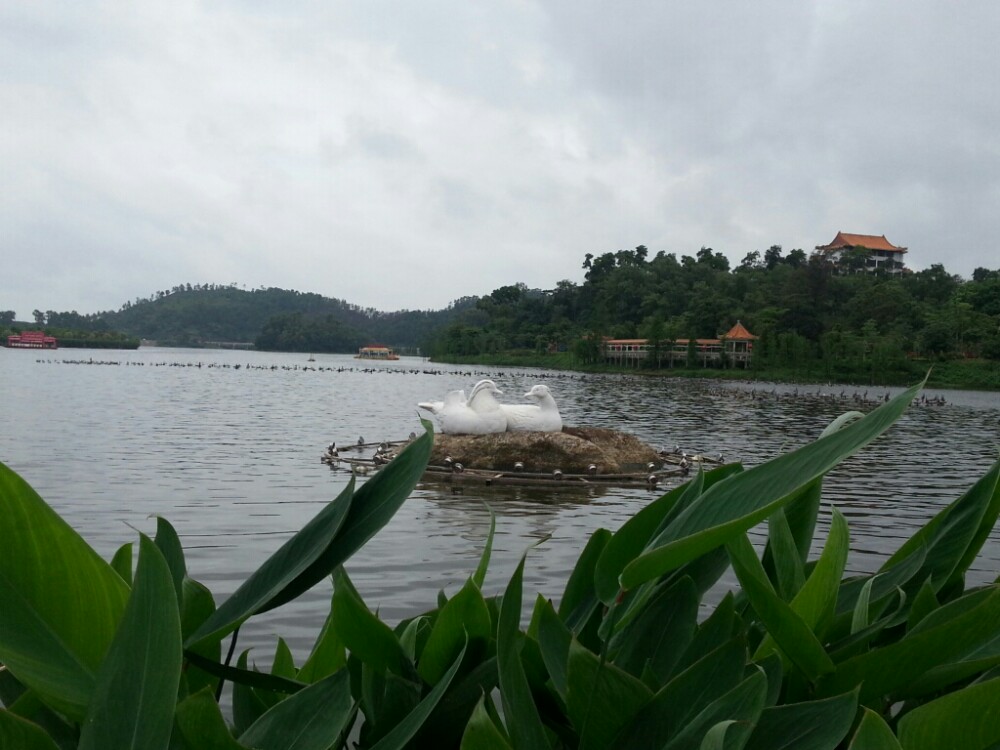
482	414
846	396
308	368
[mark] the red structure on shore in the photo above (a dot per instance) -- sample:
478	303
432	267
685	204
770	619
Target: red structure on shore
32	340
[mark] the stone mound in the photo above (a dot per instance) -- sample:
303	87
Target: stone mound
573	450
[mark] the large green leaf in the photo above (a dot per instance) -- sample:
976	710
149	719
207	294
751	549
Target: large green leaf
520	712
364	634
873	734
934	642
464	619
327	655
635	534
813	725
741	501
404	731
816	601
312	719
629	541
955	535
372	507
278	572
601	698
790	631
781	552
660	634
20	734
579	599
329	539
479	577
554	639
968	718
685	696
136	689
743	703
61	601
481	733
201	723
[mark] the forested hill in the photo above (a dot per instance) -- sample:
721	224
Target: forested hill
276	319
813	316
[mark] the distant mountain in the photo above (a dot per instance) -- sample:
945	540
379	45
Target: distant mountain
276	319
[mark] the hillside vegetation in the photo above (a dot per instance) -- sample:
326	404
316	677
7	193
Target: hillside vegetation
272	319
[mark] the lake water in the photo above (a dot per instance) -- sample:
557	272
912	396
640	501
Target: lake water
227	446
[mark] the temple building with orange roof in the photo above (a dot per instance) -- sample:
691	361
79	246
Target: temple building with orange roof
735	347
882	256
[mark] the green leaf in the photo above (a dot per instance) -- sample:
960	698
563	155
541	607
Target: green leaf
579	599
873	734
247	704
743	703
240	675
201	723
955	535
715	738
685	696
788	567
61	601
520	713
860	619
327	655
169	544
554	639
484	561
600	698
659	635
969	718
740	502
790	632
372	507
817	600
464	619
328	540
481	733
278	572
283	664
924	603
405	730
136	688
629	541
937	640
122	562
312	719
813	725
20	734
714	631
367	637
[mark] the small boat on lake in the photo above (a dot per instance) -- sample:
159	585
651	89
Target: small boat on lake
376	351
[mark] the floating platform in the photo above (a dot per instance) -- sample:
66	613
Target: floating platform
576	457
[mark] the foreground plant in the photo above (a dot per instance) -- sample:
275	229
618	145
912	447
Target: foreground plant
799	657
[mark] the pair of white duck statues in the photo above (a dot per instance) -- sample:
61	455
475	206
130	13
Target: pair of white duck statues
482	414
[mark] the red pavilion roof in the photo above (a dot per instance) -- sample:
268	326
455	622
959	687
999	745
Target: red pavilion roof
870	241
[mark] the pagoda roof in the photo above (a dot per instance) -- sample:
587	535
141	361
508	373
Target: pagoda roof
739	333
869	241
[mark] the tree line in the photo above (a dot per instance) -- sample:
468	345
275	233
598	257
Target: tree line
815	316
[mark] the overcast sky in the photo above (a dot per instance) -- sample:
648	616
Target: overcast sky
404	154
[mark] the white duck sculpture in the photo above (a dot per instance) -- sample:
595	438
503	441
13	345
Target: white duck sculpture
483	402
541	417
451	399
479	415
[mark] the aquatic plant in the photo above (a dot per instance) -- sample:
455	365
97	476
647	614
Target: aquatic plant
98	655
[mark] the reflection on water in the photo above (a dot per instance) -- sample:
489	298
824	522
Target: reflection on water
231	457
